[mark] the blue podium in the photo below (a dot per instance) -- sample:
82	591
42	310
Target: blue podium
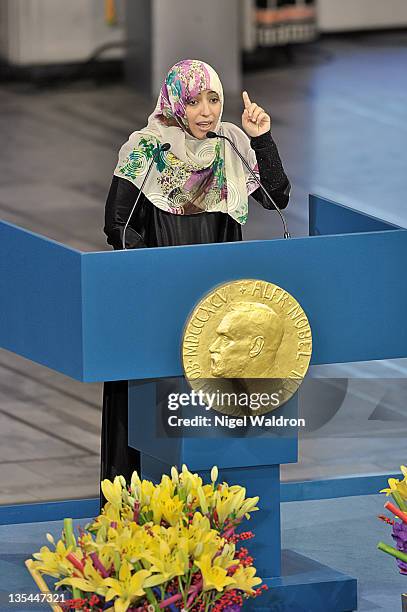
120	315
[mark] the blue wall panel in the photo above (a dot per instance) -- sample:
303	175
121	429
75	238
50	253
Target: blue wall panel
41	306
327	218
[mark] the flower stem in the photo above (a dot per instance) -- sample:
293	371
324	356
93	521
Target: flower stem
98	565
188	585
75	562
69	537
151	598
193	592
390	550
182	590
76	593
171	600
399	500
208	602
401	515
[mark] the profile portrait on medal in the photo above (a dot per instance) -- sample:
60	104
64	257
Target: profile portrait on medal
247	341
244	338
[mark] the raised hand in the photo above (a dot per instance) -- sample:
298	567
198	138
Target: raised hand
255	120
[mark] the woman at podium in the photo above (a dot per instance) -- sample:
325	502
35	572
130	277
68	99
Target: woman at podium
192	190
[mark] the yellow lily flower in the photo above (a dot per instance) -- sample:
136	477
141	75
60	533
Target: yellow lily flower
109	515
249	505
189	482
166	507
169	535
112	491
199	537
166	485
202	500
230	502
396	486
55	563
127	588
172	510
165	563
92	582
224	507
142	491
244	579
133	542
200	522
209	492
214	577
227	557
135	480
174	475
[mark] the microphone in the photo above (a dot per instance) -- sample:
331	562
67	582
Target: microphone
234	147
161	148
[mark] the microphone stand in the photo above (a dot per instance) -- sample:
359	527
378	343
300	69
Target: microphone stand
215	135
164	147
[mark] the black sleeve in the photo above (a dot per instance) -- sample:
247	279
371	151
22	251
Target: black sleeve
120	200
271	172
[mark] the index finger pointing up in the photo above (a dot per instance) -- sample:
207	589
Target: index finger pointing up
246	99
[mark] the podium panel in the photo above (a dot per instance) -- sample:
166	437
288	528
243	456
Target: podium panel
120	316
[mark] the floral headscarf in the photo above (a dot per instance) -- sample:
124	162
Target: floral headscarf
195	175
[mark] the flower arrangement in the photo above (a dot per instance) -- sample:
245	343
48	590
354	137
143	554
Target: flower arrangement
398	491
169	546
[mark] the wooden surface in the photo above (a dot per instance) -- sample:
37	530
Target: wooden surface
339	118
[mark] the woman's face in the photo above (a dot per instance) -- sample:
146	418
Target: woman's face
203	112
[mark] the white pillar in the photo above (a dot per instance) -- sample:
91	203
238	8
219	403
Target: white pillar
163	32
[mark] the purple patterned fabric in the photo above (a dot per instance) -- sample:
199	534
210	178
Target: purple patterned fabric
399	534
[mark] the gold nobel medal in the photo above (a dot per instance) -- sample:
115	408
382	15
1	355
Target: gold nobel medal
247	338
